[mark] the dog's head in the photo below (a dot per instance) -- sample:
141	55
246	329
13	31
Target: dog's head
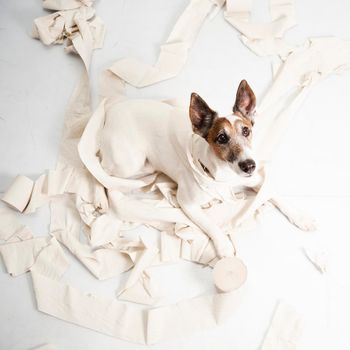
230	136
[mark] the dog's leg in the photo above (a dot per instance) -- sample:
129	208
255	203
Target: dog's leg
222	243
296	216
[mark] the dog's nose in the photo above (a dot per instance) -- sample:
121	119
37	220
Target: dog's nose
248	166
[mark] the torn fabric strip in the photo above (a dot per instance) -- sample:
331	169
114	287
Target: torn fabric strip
285	330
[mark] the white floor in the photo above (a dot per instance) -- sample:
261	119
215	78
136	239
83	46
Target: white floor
35	85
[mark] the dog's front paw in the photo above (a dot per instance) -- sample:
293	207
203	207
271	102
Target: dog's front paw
303	221
224	247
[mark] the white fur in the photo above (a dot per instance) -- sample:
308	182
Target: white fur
142	136
247	152
232	118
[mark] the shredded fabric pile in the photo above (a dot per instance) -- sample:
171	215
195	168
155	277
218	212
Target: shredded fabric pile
85	197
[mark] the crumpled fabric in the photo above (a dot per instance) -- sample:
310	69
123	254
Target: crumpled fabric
75	23
11	230
41	254
86	200
263	39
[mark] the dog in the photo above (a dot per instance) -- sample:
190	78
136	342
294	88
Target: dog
141	137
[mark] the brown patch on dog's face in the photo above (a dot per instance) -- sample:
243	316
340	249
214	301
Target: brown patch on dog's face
229	139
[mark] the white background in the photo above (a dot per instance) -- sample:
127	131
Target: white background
35	85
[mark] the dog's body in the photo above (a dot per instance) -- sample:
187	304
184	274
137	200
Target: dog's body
144	136
153	140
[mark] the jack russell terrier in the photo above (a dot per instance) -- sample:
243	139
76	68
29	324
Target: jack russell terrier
144	136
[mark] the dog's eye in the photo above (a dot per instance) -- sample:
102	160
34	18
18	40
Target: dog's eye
222	139
245	131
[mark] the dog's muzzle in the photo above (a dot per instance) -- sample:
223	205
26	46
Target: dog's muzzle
247	166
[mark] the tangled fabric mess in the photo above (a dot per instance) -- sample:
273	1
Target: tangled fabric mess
84	197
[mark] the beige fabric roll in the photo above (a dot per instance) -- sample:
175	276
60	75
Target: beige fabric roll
229	274
19	193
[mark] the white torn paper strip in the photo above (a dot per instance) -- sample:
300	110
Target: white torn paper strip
42	254
173	53
285	330
11	229
19	257
318	257
112	317
263	38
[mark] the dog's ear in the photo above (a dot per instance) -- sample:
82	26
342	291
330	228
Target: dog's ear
201	115
245	101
